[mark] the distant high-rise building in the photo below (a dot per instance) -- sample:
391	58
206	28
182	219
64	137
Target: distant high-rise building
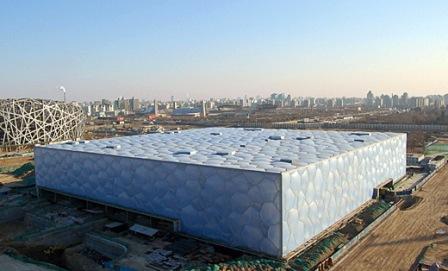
404	100
117	104
370	99
416	102
395	101
378	102
311	102
438	103
156	108
203	109
339	102
134	104
386	101
445	99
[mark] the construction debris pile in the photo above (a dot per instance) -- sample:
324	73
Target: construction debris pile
434	255
165	259
319	252
95	256
247	263
410	202
183	253
61	215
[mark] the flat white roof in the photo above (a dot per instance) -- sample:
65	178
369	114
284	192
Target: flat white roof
148	231
267	150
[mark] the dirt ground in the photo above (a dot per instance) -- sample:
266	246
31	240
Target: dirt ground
5	178
14	161
397	242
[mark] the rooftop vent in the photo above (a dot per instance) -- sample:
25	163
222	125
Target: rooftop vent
303	137
288	160
216	133
71	143
253	129
276	137
224	153
360	133
186	152
114	147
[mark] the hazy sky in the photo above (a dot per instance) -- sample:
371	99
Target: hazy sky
155	49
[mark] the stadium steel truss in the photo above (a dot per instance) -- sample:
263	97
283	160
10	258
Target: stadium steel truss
37	121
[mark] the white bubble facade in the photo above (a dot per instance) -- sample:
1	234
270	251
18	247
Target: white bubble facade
267	190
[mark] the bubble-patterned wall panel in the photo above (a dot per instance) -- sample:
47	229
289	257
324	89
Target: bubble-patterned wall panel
262	190
316	196
234	207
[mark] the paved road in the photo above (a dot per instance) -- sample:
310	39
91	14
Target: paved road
396	243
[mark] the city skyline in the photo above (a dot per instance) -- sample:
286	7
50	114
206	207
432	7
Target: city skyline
57	95
223	49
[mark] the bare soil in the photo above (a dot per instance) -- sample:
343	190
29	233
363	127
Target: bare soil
398	241
14	161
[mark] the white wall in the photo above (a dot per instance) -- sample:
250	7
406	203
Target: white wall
316	196
235	207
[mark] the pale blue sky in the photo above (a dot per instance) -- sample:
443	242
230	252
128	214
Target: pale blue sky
155	49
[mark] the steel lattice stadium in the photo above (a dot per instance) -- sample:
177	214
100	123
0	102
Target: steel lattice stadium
36	121
268	191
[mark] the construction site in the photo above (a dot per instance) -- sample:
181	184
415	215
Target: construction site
64	234
402	226
58	233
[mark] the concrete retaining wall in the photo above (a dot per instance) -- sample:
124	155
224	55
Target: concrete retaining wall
418	185
363	126
61	236
107	247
